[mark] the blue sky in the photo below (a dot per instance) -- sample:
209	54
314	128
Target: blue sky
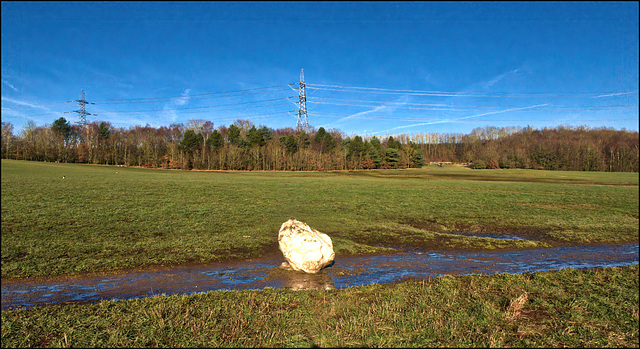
371	68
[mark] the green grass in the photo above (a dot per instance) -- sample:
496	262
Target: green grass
574	308
98	220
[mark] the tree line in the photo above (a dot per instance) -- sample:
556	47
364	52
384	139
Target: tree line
245	146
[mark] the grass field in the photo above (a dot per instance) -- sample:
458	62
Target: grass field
101	218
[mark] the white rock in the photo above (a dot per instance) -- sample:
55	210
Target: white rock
304	248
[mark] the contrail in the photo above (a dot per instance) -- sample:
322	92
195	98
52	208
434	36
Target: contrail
462	118
362	113
9	84
615	94
401	101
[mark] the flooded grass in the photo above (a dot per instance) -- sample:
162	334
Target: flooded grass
567	308
346	271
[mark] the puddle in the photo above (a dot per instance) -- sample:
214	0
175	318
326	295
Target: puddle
346	272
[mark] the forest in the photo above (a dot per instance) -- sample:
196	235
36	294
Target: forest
245	146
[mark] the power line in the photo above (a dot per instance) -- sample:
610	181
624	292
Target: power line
303	90
199	111
312	100
106	113
196	95
213	106
251	116
256	116
406	118
458	93
467	109
189	98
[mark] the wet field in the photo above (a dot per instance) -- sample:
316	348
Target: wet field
346	271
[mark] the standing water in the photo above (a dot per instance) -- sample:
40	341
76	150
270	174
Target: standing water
345	272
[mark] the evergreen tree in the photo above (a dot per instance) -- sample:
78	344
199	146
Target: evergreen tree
303	140
392	157
62	127
215	140
266	134
233	136
417	158
105	132
415	155
355	148
191	141
329	142
375	143
291	144
255	137
392	143
374	155
374	151
319	137
344	146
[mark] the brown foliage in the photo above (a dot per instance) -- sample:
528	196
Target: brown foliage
561	148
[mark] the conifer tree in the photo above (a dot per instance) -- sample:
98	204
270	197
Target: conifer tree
191	141
62	127
292	144
233	136
392	157
215	140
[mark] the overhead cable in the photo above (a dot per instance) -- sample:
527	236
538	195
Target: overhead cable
392	104
461	93
466	108
214	106
189	97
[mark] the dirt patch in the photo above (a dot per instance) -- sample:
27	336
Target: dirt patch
498	232
480	176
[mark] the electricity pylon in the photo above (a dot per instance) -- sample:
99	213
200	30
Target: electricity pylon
303	118
82	112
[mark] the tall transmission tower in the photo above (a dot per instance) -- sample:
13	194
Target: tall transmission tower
82	113
303	118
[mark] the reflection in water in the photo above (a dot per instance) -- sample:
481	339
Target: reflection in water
296	280
345	272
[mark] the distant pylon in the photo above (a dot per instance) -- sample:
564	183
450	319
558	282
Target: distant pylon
82	113
303	118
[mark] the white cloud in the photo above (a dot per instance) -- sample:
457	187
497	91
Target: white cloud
184	99
170	107
170	114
